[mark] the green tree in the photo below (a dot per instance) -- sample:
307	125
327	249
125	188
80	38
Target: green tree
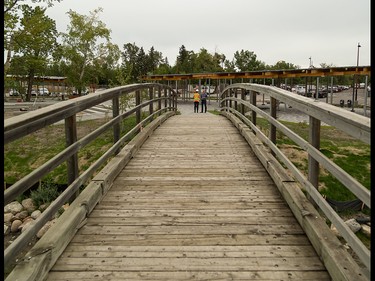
11	19
129	61
247	61
284	65
33	44
82	47
154	58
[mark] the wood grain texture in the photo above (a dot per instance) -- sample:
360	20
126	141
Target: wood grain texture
194	203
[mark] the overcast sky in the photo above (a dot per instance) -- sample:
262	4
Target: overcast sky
328	31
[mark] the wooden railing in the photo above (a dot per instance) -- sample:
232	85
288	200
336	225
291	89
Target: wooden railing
238	102
160	100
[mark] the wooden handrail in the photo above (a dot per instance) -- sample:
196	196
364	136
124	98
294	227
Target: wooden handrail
353	124
22	125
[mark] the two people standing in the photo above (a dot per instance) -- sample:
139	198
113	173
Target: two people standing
200	98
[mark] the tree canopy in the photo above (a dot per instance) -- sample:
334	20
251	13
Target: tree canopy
87	56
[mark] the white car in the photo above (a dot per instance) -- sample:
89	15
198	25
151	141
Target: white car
14	93
43	92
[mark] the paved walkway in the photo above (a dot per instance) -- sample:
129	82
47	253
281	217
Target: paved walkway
284	112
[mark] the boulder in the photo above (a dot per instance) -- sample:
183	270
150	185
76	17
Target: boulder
35	214
26	223
366	230
353	225
28	205
13	207
15	226
8	218
21	215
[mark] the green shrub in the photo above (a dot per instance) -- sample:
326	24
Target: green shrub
46	192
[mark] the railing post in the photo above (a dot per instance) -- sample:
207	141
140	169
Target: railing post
253	102
169	99
230	95
272	127
165	100
235	103
115	113
159	96
242	109
72	162
313	165
138	102
175	103
151	95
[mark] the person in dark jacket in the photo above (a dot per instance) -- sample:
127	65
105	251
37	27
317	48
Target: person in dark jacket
204	101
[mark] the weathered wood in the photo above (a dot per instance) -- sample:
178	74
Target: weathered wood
191	275
43	255
199	204
338	261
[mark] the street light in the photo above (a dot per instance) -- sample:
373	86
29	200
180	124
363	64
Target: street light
356	88
355	81
358	54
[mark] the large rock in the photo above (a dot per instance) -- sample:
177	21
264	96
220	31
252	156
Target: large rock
353	225
13	207
21	215
366	230
28	204
35	214
26	223
8	217
15	226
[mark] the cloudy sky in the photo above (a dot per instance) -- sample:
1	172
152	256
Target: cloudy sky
328	31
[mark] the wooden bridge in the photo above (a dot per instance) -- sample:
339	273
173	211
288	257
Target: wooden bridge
190	197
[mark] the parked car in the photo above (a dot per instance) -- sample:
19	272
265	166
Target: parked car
13	92
209	90
43	91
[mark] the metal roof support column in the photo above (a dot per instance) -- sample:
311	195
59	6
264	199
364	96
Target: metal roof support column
331	89
209	91
151	95
243	96
165	96
366	95
169	99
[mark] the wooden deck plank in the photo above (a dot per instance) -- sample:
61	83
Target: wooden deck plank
191	275
193	204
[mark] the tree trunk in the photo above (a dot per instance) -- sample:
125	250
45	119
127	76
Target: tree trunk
30	81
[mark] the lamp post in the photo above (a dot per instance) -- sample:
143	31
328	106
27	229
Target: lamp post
355	81
356	88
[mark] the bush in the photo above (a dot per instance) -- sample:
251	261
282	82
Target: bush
47	192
